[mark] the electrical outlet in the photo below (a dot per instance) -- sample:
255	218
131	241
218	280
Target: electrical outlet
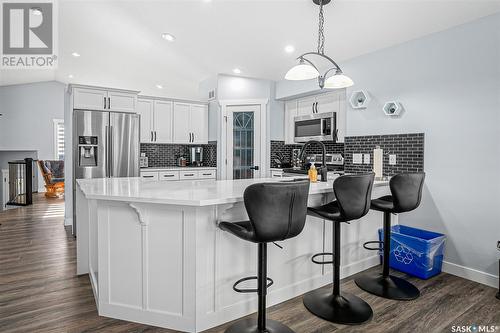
366	158
357	158
498	245
392	159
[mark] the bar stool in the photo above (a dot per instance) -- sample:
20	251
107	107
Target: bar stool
352	202
276	211
406	190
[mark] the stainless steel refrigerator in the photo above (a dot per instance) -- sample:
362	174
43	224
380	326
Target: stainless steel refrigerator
105	144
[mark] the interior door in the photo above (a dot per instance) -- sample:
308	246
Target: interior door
181	133
145	110
124	144
199	123
243	142
163	122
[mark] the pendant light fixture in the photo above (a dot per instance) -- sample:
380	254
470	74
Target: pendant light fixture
306	70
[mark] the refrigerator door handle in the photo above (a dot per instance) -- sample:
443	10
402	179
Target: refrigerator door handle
106	147
110	151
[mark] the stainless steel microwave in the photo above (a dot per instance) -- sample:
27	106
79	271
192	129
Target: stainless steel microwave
319	126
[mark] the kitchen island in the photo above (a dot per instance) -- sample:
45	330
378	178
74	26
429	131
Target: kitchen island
155	255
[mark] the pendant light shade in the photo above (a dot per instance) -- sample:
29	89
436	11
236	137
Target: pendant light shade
302	71
338	81
307	69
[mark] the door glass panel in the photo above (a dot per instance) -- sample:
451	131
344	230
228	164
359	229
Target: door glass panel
243	145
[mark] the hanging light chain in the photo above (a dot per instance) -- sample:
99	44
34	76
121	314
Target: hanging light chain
321	34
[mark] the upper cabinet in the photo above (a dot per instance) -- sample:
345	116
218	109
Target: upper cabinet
190	123
156	120
333	101
86	98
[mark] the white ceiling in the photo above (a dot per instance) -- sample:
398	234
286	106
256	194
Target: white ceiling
121	46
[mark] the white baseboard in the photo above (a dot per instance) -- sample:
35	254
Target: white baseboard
471	274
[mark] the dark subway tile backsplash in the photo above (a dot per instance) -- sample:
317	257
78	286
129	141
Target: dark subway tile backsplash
165	155
408	148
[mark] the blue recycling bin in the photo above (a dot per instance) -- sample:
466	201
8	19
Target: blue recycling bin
415	251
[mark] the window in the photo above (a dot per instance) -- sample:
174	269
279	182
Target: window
59	139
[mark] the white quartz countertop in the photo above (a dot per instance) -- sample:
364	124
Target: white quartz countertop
185	193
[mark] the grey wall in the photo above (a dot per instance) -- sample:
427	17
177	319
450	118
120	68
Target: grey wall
28	113
449	84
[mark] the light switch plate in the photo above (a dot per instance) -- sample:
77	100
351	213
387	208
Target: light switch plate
392	159
366	158
357	158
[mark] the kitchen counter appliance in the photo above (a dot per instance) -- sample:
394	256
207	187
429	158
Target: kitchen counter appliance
105	145
316	127
196	154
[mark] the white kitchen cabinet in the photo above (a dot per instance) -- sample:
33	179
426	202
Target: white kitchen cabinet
306	106
145	108
190	123
168	175
290	114
332	101
101	99
176	174
156	120
89	99
199	123
149	175
121	101
163	115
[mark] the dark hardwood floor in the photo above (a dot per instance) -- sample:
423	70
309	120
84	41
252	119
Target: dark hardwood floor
40	292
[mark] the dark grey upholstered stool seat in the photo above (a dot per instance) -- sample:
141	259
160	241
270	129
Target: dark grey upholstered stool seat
352	202
406	190
276	211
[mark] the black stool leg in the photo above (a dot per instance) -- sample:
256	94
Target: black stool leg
337	307
386	285
262	325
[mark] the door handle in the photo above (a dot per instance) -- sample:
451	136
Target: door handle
255	167
151	136
155	136
193	137
317	111
110	159
109	103
104	102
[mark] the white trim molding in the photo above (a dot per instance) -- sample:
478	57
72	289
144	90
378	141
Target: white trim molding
471	274
264	130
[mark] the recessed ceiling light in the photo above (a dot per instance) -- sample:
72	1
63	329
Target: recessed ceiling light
168	36
36	11
159	86
237	71
75	54
289	48
70	76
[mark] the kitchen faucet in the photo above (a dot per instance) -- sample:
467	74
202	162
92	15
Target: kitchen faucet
323	170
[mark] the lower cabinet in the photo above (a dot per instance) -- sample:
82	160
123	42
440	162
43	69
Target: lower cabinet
173	175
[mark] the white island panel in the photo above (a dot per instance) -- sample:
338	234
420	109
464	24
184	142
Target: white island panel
168	264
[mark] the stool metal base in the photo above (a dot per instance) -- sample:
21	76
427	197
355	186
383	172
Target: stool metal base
390	287
250	326
344	309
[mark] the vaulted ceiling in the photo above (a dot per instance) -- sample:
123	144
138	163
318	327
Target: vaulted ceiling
121	46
